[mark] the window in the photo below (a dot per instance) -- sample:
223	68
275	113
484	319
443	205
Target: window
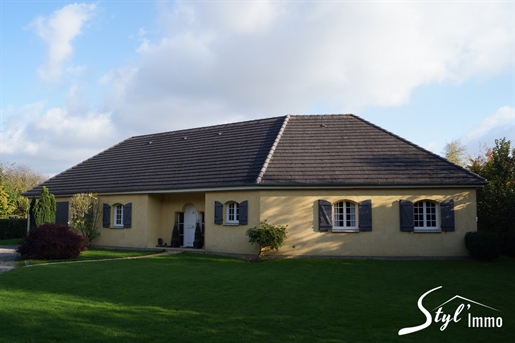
425	215
345	216
233	213
118	215
121	216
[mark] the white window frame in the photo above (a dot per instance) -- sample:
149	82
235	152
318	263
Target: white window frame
232	213
118	215
430	212
343	212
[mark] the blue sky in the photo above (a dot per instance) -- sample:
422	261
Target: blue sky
78	77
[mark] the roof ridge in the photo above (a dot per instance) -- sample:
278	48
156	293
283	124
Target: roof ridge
443	159
272	150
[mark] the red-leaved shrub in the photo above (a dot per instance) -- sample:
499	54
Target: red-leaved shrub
51	242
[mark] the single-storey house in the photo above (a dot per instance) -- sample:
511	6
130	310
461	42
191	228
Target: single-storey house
342	185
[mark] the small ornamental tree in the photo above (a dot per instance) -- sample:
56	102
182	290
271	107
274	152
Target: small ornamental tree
45	208
86	213
51	242
269	237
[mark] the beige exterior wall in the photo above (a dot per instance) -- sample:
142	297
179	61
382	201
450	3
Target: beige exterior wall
153	217
298	210
136	235
231	238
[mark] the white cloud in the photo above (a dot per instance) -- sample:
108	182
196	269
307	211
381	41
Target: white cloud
58	32
269	58
503	118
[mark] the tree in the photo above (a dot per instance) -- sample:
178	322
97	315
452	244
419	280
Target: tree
45	208
496	201
455	152
86	213
269	237
14	180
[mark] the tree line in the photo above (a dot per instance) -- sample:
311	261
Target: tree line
495	201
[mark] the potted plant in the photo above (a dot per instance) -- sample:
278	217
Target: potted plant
176	241
198	243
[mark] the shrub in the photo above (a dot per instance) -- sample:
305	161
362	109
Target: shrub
51	242
269	237
13	228
483	245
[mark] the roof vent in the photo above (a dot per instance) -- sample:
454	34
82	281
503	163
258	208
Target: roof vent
150	142
219	133
323	125
185	137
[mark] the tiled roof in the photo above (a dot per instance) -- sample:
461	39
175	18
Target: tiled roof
349	151
307	150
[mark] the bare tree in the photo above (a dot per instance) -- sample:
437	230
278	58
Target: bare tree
455	152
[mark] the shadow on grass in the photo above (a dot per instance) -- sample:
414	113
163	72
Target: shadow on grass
196	297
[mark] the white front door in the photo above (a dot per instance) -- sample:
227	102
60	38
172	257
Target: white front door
190	222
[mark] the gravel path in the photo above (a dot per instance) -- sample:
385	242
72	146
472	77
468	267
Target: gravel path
7	254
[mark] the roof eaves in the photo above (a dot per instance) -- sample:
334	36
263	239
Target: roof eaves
272	150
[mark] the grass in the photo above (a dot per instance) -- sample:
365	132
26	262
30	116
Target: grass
14	241
95	254
204	298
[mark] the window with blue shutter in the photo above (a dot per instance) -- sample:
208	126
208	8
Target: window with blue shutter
244	212
219	212
106	216
447	210
406	216
127	215
325	222
365	215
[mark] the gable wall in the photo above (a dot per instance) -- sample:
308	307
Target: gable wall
299	210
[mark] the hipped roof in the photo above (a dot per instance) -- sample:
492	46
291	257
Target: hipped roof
289	151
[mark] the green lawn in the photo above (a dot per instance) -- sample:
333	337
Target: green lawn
14	241
204	298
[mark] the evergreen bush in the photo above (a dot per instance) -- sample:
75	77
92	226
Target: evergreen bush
483	245
52	242
269	237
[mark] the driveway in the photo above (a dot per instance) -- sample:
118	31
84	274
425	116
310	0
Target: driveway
7	255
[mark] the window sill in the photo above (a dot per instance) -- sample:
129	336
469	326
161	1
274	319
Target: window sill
344	230
426	230
232	224
117	227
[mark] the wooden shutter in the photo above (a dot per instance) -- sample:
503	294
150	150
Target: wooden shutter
447	211
61	212
106	218
244	212
406	216
127	215
219	213
325	210
365	215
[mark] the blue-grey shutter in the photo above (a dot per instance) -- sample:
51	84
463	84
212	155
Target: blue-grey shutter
447	210
406	216
127	215
61	212
244	212
106	218
325	210
219	216
365	215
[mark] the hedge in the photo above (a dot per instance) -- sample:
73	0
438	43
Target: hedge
13	228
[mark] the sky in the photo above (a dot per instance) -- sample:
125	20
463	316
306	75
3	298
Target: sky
79	77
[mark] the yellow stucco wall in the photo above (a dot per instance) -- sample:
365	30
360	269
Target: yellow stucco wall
136	235
153	217
230	238
298	210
